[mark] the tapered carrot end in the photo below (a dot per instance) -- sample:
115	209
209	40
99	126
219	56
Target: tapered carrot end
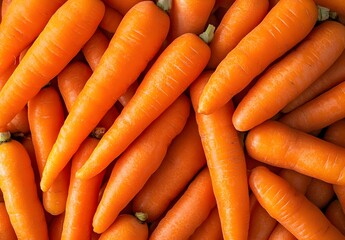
43	185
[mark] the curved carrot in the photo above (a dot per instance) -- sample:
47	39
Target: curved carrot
290	207
234	25
189	16
49	54
190	210
332	77
137	39
184	158
122	6
17	183
21	24
335	214
6	229
170	75
281	233
301	152
138	163
226	162
110	20
281	29
281	84
319	112
126	226
319	193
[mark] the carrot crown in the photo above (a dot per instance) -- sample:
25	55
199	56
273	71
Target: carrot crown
5	136
141	216
208	35
165	5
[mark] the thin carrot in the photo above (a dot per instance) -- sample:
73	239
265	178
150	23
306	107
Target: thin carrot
50	52
126	226
334	212
290	207
17	183
277	144
110	20
21	24
281	233
122	6
140	160
137	39
320	193
226	161
55	227
332	77
291	75
184	158
281	29
319	112
6	229
234	25
190	210
170	75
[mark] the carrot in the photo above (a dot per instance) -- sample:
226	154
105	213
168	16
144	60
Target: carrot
320	193
209	229
319	112
126	97
281	84
55	227
6	229
138	163
234	25
110	20
197	13
17	183
190	210
290	207
82	196
332	77
336	216
170	75
126	226
136	41
281	233
21	24
4	6
20	123
184	158
122	6
281	29
50	52
224	3
277	144
226	161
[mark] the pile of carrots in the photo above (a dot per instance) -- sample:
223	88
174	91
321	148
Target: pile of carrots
172	119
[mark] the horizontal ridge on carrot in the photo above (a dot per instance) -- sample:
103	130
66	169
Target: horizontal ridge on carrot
283	27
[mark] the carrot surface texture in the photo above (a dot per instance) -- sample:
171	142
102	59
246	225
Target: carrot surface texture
6	229
283	27
291	208
137	39
281	84
226	162
279	145
17	184
170	75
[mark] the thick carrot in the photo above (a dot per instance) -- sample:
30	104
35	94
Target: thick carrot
122	6
137	39
21	23
184	158
281	29
110	20
290	207
50	53
334	212
281	233
197	13
291	75
82	196
17	183
277	144
140	160
6	229
170	75
234	25
320	193
4	6
226	161
319	112
190	210
126	226
332	77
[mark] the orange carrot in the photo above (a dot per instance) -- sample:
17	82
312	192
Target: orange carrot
6	229
281	29
184	158
126	97
234	25
190	210
122	6
20	123
281	233
174	70
135	42
4	6
332	77
21	24
226	162
55	227
336	216
50	52
281	84
138	163
110	20
17	183
126	226
290	207
320	193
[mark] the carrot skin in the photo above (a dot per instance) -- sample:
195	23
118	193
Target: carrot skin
334	212
6	229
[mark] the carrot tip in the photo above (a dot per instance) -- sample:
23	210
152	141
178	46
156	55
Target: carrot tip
165	5
5	136
208	35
